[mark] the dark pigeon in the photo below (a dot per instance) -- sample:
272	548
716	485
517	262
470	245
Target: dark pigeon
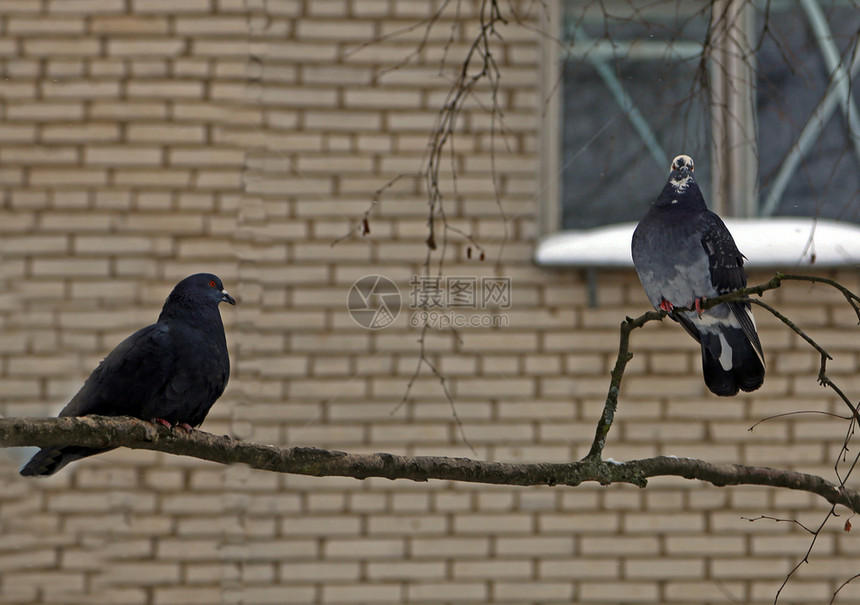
171	372
684	254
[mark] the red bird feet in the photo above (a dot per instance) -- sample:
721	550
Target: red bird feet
183	425
668	307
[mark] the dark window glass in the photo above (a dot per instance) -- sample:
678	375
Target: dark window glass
609	172
792	80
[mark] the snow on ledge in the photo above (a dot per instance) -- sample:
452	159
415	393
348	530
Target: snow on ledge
773	243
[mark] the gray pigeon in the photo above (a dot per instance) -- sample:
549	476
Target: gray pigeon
170	372
684	254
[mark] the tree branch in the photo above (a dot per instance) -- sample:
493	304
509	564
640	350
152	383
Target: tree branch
604	423
110	432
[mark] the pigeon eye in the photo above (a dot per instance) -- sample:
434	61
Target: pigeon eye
212	283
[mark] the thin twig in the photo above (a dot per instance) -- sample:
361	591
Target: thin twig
423	360
797	413
778	520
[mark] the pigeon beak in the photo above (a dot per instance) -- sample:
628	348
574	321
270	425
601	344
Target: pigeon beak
227	298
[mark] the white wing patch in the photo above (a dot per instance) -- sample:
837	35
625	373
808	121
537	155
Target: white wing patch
725	354
714	323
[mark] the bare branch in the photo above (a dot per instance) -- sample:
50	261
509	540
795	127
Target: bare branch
110	432
624	356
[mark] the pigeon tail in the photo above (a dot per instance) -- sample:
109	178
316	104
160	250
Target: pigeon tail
730	362
49	460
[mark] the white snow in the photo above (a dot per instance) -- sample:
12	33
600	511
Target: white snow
773	243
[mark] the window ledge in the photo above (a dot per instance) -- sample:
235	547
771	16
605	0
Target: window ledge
767	243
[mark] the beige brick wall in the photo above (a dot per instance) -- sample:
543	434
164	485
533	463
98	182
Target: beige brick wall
141	141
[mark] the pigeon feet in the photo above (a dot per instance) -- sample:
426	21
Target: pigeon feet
161	421
668	307
180	425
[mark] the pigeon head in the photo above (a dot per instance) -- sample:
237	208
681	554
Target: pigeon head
681	173
198	292
681	192
682	163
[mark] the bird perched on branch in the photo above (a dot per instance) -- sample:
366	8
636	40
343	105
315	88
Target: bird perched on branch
171	372
684	254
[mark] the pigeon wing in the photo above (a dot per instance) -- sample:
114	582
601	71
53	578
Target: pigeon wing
725	261
131	375
135	373
726	265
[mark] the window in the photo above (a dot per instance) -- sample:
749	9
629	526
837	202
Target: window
760	94
630	97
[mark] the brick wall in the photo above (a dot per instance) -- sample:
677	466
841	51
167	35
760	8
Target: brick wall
141	141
